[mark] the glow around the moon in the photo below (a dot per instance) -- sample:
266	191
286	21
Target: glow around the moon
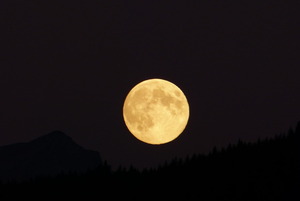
156	111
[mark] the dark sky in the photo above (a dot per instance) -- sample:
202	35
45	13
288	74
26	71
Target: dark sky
68	65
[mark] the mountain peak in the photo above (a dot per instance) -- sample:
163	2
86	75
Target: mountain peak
54	136
57	133
49	154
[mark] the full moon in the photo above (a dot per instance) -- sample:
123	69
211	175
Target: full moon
156	111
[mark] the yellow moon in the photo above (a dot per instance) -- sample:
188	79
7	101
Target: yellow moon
156	111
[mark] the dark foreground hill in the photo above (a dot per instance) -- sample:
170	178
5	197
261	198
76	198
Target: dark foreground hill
265	170
47	155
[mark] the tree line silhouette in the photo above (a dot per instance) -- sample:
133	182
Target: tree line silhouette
265	170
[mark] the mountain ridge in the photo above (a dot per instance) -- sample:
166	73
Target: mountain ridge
264	170
47	155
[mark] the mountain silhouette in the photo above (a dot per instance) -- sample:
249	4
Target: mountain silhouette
48	155
264	170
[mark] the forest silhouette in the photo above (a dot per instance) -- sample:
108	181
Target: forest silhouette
267	169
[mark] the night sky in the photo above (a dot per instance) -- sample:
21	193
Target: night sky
68	65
